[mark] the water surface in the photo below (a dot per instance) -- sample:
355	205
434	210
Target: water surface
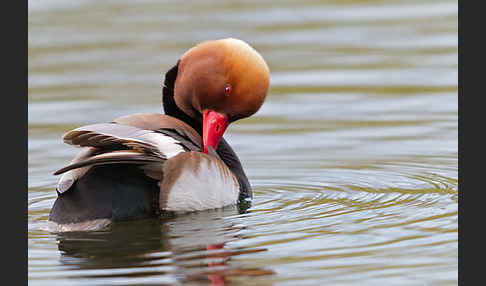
353	157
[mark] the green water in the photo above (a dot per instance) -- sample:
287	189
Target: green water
353	157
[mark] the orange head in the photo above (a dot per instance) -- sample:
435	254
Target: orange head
222	81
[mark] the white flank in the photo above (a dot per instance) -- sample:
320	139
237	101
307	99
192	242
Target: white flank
206	187
67	179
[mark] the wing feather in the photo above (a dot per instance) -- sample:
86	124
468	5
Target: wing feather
114	136
114	157
144	140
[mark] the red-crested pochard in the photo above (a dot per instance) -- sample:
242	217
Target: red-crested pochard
143	165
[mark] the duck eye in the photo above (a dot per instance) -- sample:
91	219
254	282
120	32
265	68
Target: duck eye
227	90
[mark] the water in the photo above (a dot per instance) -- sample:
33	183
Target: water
353	157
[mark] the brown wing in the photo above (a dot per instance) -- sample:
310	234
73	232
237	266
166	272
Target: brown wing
113	136
146	140
113	157
160	122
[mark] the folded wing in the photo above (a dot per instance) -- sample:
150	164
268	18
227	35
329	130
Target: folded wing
145	140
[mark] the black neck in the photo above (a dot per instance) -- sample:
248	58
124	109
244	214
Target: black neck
169	105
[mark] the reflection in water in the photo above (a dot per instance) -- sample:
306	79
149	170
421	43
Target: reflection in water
186	248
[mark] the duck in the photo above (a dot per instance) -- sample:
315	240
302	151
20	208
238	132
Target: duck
146	165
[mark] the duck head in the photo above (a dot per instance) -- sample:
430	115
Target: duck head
219	82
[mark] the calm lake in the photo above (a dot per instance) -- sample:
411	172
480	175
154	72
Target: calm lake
353	158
